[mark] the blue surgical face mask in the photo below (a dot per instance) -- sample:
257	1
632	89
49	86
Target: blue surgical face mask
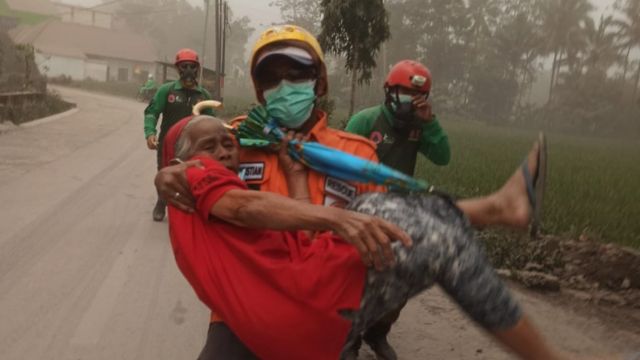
291	103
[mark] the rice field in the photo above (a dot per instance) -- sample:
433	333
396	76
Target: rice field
593	186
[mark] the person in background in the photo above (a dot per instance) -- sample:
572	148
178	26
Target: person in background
174	101
401	127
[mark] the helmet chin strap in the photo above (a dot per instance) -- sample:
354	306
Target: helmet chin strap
388	95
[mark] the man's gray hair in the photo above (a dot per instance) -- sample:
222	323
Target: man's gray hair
184	146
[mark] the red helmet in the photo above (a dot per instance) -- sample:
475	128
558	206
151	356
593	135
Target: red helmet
411	75
187	55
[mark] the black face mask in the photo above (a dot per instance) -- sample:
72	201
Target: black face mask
188	73
404	113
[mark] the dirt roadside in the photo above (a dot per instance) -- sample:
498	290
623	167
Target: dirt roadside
86	274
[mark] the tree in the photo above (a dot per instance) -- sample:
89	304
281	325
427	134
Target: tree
433	32
562	21
630	33
159	20
304	13
239	32
601	48
354	29
637	85
518	42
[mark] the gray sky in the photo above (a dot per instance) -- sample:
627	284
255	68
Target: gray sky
262	15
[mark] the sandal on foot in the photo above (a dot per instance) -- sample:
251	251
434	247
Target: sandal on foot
536	185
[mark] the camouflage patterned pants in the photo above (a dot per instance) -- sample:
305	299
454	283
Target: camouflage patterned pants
444	251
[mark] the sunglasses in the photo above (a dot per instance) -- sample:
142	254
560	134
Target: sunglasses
270	78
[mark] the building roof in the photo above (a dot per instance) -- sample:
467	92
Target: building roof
112	6
43	7
61	51
61	38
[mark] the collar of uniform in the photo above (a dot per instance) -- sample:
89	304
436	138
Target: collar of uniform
387	113
321	125
178	86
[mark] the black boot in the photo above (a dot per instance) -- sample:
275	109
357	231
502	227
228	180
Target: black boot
376	336
352	348
382	348
159	210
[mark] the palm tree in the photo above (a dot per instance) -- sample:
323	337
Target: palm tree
518	41
562	21
602	51
635	89
629	28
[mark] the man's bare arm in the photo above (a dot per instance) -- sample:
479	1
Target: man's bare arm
265	210
262	210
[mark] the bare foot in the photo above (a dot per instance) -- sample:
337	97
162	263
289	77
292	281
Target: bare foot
512	198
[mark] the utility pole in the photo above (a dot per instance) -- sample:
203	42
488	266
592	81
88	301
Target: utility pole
204	41
223	52
216	86
221	16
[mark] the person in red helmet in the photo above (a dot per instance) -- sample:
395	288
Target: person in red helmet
404	125
401	127
174	101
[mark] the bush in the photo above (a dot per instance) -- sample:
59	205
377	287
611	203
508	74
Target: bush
51	105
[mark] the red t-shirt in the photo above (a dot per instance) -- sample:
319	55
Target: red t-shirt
278	291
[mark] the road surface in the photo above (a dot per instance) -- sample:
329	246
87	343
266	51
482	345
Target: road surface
86	274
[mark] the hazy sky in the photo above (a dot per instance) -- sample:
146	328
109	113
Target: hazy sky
263	15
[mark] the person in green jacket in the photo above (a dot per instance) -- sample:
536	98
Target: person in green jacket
174	101
401	128
404	125
148	89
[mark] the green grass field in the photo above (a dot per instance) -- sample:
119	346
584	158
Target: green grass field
593	184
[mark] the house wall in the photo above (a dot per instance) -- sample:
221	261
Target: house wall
96	70
125	70
172	73
53	66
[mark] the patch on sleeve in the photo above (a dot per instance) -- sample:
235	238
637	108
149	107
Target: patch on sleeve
338	191
252	171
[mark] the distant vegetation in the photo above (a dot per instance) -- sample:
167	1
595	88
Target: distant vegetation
23	17
19	73
592	184
487	58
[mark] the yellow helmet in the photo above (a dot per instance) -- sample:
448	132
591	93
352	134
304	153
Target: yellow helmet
280	33
291	34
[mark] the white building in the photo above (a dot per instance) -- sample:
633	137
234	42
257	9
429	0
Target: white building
86	51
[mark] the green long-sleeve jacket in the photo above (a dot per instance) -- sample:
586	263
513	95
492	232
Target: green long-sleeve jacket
174	102
399	149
